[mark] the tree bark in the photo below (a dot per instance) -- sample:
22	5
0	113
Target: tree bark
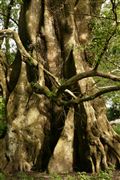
42	133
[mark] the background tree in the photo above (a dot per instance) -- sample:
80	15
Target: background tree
55	113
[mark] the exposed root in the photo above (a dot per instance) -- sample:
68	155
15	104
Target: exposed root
98	151
25	166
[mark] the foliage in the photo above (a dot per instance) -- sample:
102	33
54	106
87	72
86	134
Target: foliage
105	42
117	128
113	112
102	175
9	19
24	176
2	176
56	177
84	176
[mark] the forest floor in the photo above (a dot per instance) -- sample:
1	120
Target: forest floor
113	175
116	175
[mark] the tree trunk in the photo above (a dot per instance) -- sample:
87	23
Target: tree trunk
42	134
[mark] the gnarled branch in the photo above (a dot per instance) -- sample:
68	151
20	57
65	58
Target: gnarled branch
80	76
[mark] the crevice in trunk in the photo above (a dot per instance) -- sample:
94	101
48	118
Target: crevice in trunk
42	15
14	76
69	66
81	148
57	124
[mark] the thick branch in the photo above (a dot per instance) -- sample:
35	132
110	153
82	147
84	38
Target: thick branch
37	88
52	95
83	75
97	94
20	46
74	79
108	76
66	84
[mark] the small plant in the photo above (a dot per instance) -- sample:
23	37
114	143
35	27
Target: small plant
84	176
24	176
2	176
104	176
55	177
70	177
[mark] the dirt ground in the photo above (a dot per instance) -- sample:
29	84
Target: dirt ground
116	175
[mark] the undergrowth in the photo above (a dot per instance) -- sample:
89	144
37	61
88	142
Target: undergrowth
102	175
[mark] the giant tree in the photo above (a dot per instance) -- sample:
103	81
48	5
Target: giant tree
55	114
